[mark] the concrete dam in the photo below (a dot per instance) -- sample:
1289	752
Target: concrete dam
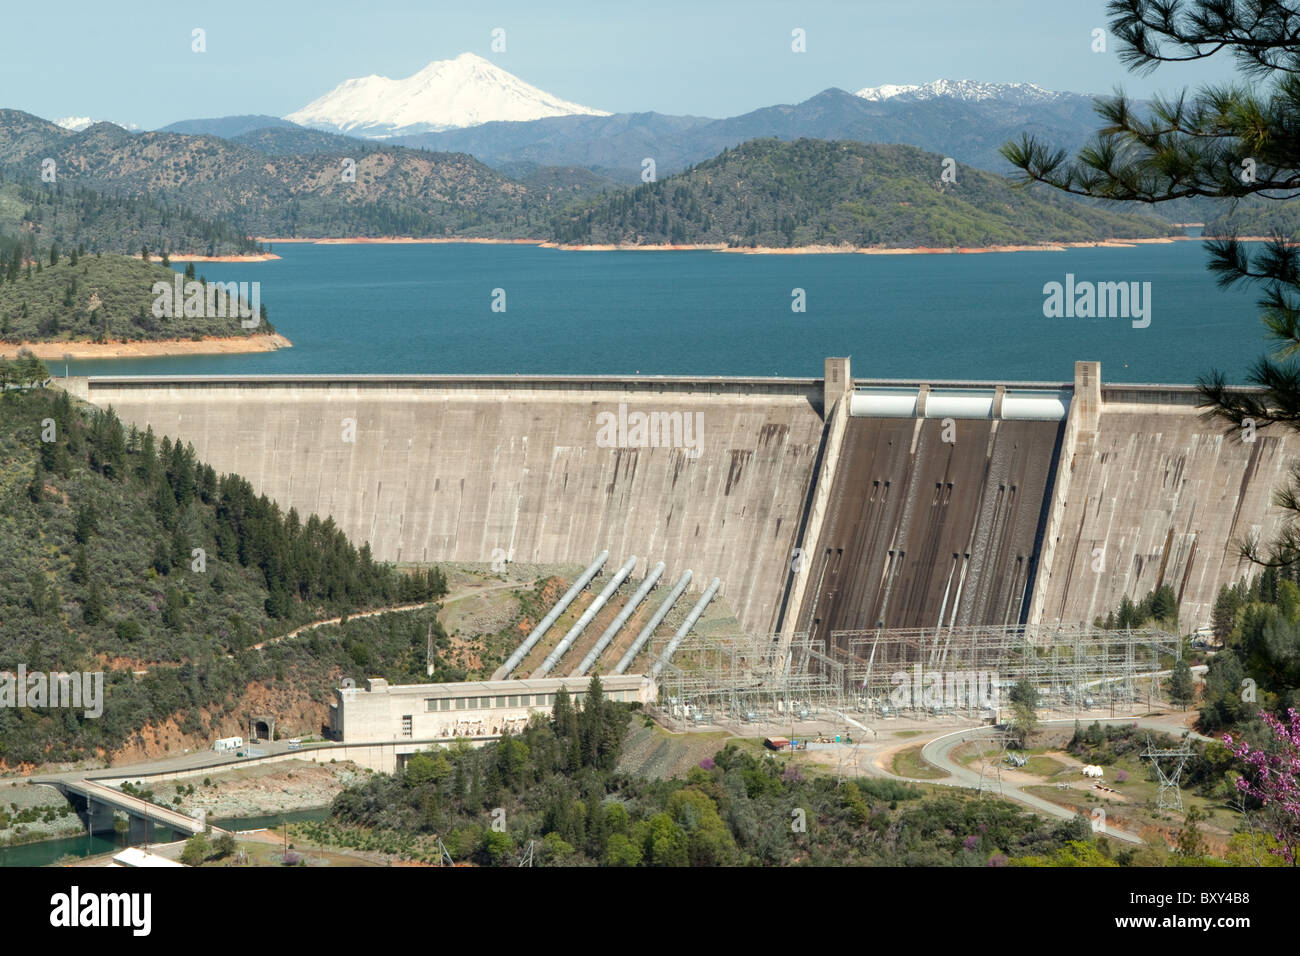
822	505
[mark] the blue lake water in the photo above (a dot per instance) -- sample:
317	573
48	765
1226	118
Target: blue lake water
427	309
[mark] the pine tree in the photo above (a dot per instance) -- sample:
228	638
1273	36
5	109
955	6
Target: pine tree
92	608
1182	687
36	487
80	566
1223	142
1224	616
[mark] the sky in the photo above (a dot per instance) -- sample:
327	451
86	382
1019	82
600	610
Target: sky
133	63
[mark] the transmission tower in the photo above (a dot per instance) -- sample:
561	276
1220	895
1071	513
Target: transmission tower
528	855
991	773
444	858
1170	795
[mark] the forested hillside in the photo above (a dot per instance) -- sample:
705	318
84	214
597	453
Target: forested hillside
74	216
121	552
770	193
66	297
350	191
1259	624
1255	217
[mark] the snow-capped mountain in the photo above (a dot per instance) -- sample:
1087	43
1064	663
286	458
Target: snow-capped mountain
446	94
969	91
78	123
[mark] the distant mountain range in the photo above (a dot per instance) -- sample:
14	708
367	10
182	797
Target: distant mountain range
463	147
967	91
469	105
970	132
228	127
965	120
446	94
767	192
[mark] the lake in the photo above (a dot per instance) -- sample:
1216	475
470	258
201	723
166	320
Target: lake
428	309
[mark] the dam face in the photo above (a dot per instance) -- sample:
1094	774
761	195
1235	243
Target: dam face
923	531
1157	494
456	469
822	504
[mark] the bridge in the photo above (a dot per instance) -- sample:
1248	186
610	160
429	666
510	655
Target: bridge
97	805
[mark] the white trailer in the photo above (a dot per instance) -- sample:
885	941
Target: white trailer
227	744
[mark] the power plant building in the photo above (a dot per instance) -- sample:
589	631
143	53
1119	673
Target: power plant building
380	712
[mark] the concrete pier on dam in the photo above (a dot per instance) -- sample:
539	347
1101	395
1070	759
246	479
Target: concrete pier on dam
1152	492
824	504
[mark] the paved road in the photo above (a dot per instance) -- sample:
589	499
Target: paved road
190	761
938	751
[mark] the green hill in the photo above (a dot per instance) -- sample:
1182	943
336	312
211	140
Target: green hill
391	190
812	192
1255	217
121	553
74	216
95	298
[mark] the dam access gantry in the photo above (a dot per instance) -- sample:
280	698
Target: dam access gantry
822	505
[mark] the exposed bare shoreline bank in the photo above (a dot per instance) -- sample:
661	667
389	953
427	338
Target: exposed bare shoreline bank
232	345
182	257
758	250
405	241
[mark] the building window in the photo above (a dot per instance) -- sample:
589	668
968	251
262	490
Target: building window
406	725
430	704
461	703
501	701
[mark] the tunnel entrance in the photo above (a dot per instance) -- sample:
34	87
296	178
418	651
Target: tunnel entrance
261	727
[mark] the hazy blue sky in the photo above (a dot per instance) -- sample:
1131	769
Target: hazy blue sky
132	62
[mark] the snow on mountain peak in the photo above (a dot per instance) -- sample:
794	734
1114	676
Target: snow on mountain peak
79	123
969	91
447	94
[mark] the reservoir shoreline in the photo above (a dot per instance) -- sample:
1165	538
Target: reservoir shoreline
158	348
1114	243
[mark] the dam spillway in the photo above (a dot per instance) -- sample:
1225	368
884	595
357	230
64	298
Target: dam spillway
826	504
924	531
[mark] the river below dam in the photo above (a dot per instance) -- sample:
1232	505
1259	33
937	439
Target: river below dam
46	852
421	309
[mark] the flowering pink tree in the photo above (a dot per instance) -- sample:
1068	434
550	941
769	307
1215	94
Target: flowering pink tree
1273	778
